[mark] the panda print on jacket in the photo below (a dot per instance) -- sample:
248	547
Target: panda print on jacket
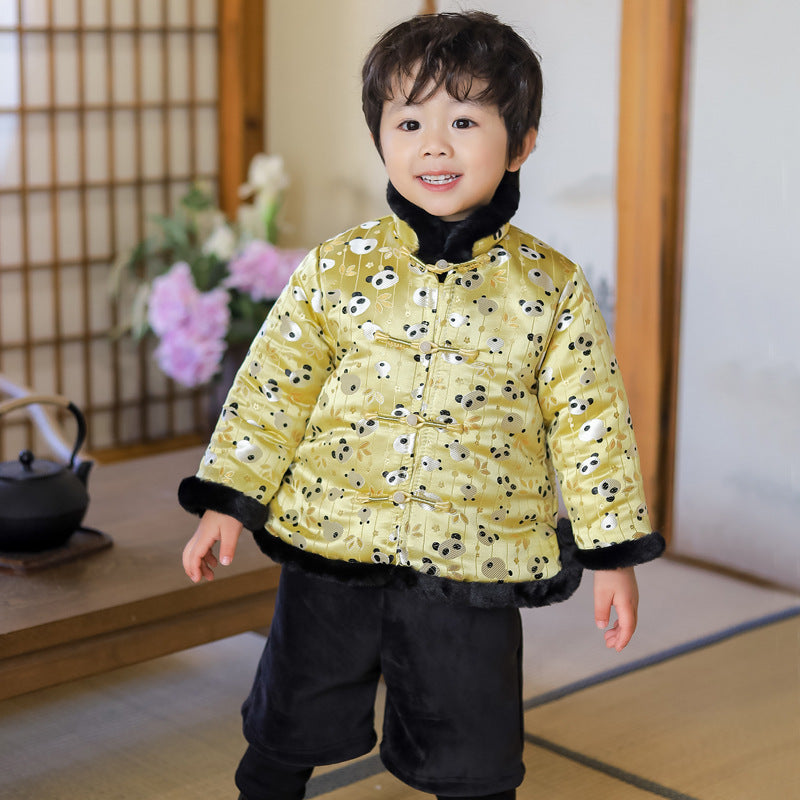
400	419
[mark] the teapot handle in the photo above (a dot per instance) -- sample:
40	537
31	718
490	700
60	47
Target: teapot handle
51	399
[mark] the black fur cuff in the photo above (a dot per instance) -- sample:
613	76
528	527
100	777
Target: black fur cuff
197	496
624	554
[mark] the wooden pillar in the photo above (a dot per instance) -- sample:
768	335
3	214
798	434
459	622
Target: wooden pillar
241	93
650	199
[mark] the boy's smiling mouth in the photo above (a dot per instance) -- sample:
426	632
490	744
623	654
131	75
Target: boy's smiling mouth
439	179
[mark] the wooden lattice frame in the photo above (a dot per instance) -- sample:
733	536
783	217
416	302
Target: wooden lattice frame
58	316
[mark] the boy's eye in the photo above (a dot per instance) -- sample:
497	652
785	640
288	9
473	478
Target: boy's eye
409	125
463	123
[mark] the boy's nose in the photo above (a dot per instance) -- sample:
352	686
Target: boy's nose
435	145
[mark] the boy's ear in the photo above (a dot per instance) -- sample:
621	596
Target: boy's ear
528	143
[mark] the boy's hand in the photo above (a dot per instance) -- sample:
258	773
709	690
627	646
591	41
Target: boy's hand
617	588
198	557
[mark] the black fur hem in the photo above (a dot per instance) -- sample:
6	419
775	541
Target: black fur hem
624	554
437	589
197	496
454	240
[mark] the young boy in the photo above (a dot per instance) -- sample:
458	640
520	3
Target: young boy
394	434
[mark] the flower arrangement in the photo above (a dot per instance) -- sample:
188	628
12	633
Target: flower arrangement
202	283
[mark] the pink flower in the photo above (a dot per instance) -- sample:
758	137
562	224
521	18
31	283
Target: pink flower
190	361
171	298
192	326
210	315
262	270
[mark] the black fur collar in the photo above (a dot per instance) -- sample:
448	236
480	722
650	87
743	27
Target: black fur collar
453	241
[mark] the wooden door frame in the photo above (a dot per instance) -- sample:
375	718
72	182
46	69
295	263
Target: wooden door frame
242	101
654	53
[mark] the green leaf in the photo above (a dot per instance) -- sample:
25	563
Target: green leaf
271	222
247	317
177	235
217	270
242	331
197	200
139	324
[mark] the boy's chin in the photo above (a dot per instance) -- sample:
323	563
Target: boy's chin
449	209
445	212
459	216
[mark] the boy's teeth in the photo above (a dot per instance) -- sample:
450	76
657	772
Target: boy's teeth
438	178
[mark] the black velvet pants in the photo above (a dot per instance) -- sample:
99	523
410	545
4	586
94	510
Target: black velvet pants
453	716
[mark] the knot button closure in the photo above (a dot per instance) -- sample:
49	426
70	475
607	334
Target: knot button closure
426	347
441	264
412	420
399	497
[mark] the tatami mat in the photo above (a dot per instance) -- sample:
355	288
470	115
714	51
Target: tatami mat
719	723
679	604
715	722
167	729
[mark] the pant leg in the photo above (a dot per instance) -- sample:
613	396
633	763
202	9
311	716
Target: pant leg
261	778
312	701
453	723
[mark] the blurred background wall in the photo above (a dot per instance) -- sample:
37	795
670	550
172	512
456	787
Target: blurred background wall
737	499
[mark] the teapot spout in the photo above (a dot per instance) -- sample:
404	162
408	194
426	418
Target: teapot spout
82	470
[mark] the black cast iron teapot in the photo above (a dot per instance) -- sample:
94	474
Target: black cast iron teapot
42	503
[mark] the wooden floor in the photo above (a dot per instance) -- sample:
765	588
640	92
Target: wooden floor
712	715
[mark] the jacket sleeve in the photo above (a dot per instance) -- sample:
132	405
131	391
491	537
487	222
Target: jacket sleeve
590	435
268	406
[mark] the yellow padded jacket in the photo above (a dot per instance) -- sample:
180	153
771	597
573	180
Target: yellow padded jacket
396	420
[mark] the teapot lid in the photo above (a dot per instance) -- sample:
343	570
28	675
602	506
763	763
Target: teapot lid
28	468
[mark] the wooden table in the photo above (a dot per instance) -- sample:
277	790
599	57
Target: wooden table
131	602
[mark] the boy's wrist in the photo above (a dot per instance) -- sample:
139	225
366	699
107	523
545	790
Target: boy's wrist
198	496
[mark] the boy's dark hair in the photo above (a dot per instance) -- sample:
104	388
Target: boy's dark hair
451	50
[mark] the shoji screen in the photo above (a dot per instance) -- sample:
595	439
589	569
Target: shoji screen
108	109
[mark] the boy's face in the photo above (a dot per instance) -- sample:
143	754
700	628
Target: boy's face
446	156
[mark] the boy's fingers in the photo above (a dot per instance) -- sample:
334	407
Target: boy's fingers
227	546
198	560
191	565
626	625
208	573
602	610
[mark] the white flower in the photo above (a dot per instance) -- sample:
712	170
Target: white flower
265	176
250	220
221	243
207	221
